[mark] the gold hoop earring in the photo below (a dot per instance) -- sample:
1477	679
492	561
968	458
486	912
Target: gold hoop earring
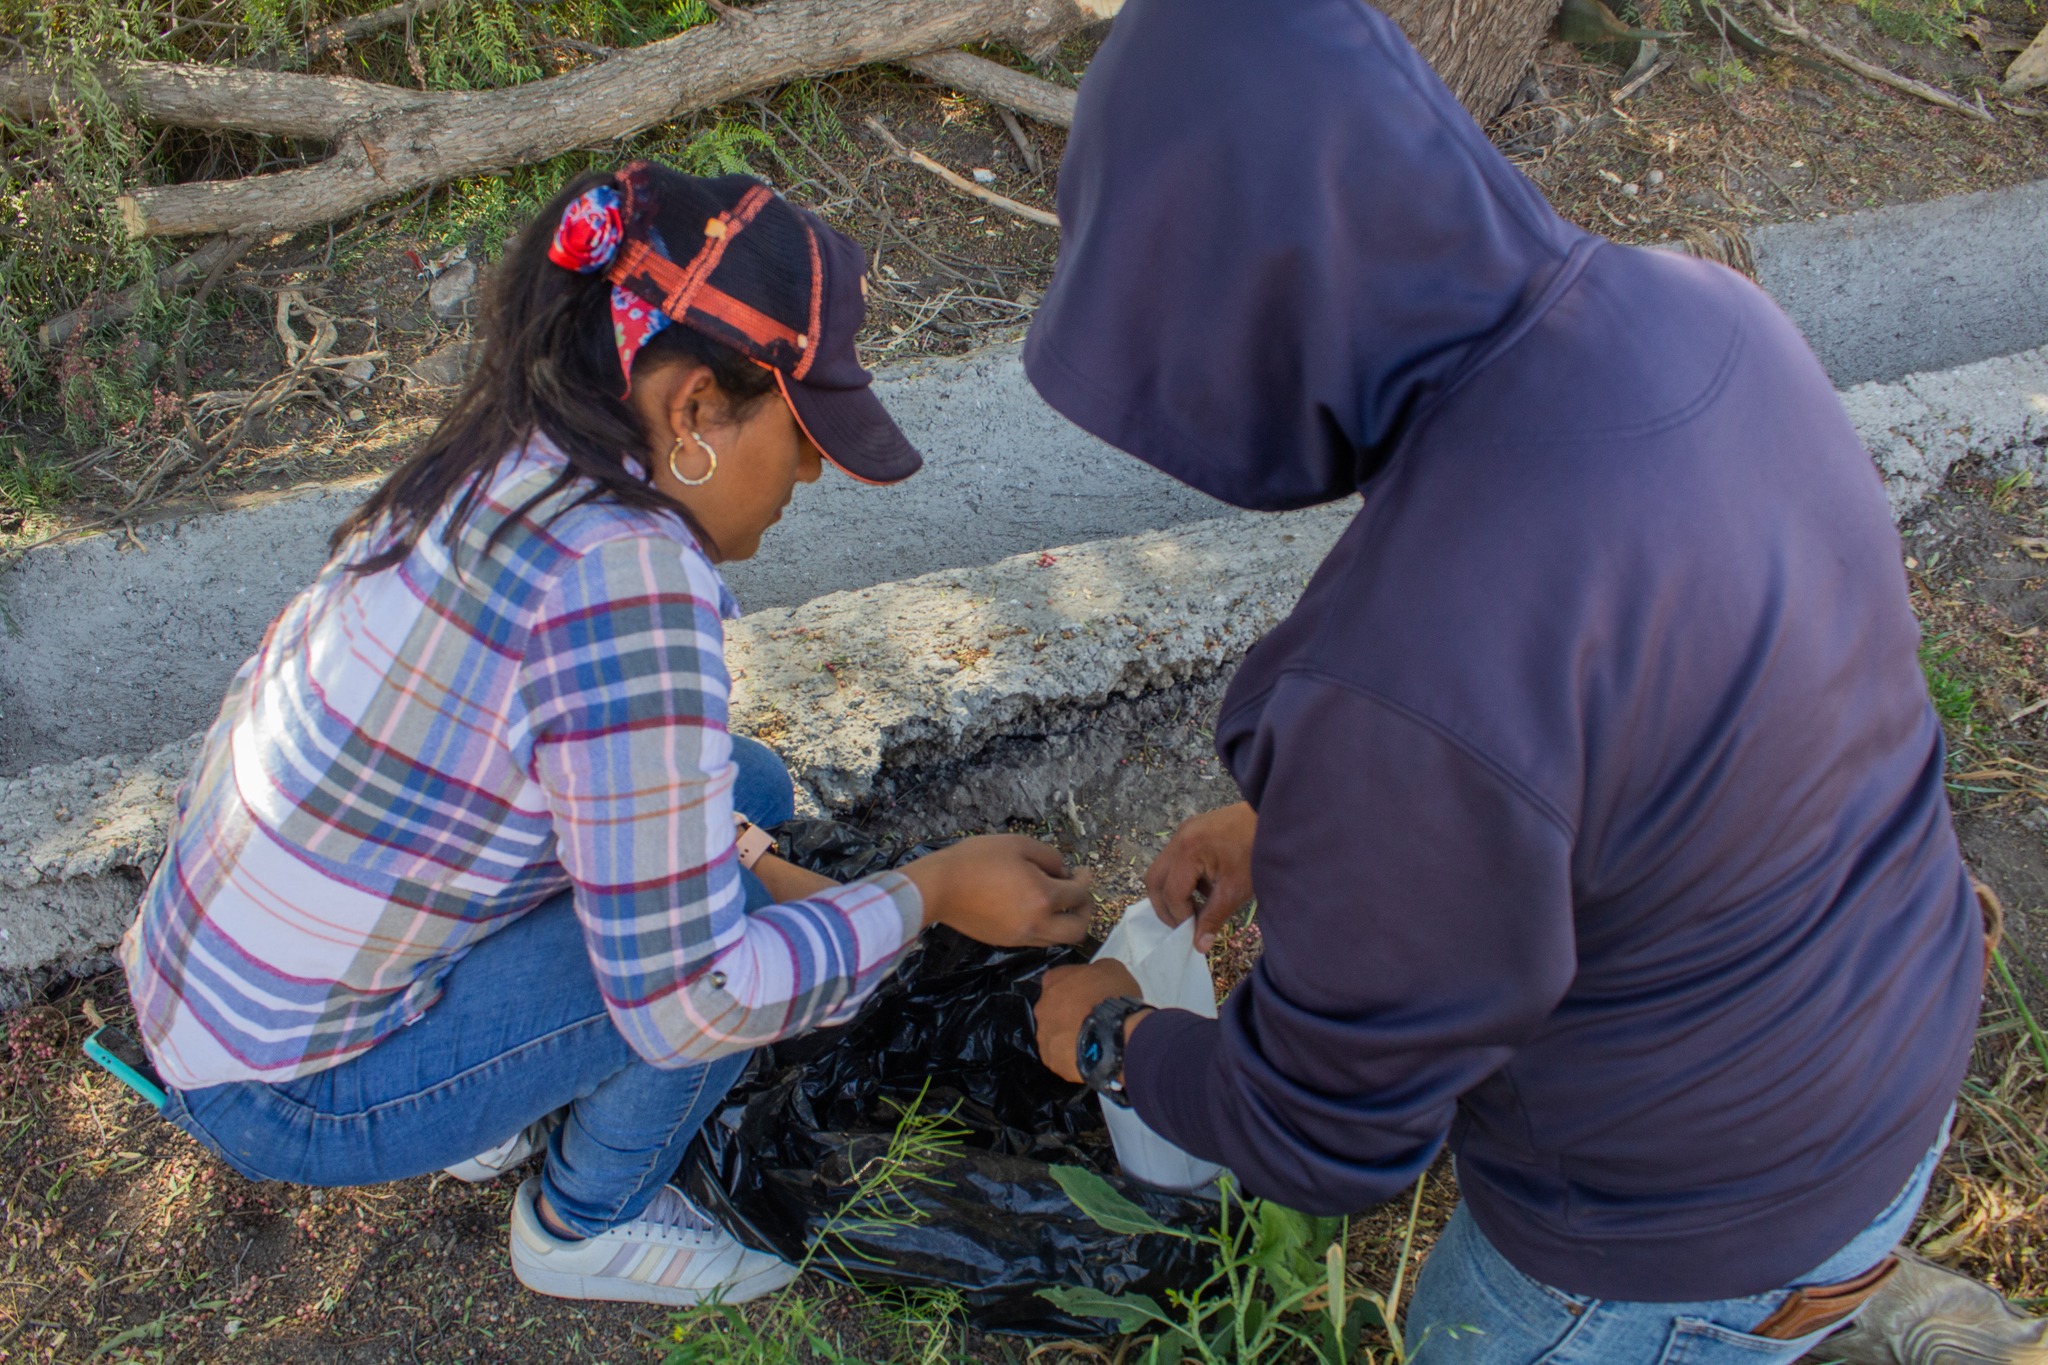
684	479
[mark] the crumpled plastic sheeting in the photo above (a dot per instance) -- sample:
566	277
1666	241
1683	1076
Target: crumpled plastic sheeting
953	1026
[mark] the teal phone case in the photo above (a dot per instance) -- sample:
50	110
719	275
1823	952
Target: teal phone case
129	1075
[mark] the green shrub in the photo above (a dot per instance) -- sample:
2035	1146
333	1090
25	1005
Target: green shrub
29	486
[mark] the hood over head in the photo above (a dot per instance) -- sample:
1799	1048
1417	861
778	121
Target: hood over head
1281	236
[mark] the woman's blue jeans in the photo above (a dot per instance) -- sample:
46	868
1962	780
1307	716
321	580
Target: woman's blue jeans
1473	1308
519	1032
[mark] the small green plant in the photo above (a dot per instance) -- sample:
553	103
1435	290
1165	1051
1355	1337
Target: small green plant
789	1328
723	148
1278	1289
2020	1007
804	105
1955	701
29	486
2005	492
1731	74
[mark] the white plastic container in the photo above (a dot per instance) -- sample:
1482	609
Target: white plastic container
1170	974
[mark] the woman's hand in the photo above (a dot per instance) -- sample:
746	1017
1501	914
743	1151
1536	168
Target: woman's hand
1205	870
1066	997
1006	890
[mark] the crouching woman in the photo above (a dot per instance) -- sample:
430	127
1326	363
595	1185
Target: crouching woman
470	863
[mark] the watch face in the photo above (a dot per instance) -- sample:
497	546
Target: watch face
1091	1052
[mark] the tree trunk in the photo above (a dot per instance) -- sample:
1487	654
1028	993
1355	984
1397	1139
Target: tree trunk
1481	48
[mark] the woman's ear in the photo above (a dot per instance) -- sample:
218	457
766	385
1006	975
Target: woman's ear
694	402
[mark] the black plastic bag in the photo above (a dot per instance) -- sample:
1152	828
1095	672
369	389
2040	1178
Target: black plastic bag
951	1032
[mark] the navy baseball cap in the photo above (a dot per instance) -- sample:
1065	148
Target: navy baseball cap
730	258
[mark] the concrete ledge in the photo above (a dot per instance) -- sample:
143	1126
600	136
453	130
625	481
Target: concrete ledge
1919	428
847	686
108	644
1911	287
77	842
936	669
993	675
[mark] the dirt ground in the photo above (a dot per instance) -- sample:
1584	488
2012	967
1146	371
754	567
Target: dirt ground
121	1240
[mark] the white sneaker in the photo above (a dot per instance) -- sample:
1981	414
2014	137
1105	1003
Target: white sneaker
486	1166
672	1254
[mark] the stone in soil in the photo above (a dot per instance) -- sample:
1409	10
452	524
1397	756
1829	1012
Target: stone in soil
452	295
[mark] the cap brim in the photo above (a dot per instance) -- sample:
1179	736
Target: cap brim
852	429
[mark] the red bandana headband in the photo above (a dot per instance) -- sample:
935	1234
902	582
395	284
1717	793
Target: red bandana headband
586	240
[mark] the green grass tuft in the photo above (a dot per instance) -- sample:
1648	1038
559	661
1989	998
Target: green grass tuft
1955	701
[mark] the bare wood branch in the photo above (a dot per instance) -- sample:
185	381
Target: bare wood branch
998	84
961	182
441	135
208	260
1792	28
2029	70
333	37
222	98
1018	136
1656	69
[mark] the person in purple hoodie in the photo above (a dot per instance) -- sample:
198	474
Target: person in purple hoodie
1593	797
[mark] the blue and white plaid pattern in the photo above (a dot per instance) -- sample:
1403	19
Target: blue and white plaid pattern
416	757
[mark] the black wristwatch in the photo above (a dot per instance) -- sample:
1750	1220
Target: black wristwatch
1099	1050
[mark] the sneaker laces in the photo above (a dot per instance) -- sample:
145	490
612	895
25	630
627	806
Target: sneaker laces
673	1211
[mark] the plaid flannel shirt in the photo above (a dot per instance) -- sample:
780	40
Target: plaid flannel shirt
416	757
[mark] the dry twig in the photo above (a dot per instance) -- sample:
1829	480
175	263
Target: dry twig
998	84
208	260
333	37
1787	24
961	182
1657	68
1017	135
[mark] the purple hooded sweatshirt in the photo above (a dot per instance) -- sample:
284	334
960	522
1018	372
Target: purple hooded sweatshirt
1602	830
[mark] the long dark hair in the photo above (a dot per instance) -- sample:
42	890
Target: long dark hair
549	365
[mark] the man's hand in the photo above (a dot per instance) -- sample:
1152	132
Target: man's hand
1066	995
1206	871
1006	890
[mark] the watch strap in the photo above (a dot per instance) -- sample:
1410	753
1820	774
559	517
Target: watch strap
751	840
1099	1048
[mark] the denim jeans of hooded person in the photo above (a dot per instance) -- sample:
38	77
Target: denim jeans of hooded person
1473	1308
519	1032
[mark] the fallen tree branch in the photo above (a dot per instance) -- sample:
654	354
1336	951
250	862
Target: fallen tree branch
961	182
209	260
247	100
221	98
435	136
2029	70
1792	28
333	37
998	84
